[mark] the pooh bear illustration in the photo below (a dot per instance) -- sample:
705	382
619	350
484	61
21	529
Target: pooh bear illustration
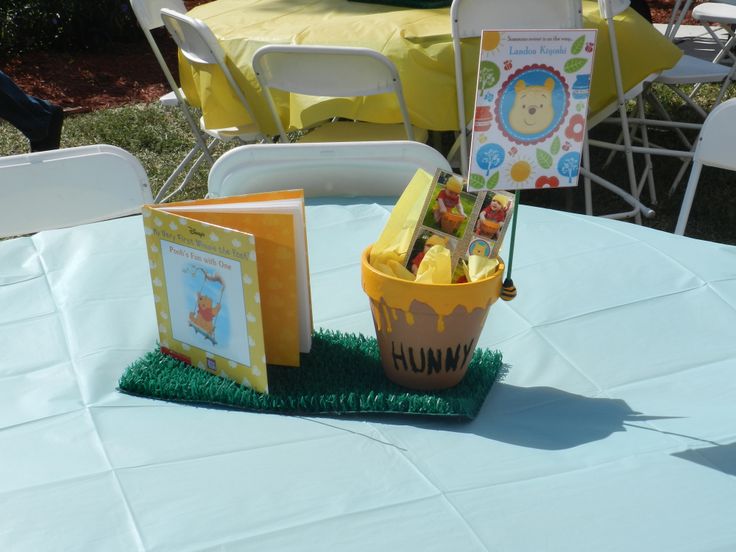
532	111
205	315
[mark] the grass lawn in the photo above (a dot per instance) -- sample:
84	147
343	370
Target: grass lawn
160	138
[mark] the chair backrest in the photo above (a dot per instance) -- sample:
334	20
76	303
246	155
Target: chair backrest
714	148
611	8
469	17
148	12
715	143
333	71
66	187
324	169
199	46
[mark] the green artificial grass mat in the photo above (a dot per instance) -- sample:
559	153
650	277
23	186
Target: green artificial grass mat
341	375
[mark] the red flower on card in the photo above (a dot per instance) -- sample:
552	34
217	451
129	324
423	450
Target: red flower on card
547	182
576	128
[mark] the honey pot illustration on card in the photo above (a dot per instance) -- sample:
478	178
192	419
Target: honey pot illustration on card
530	109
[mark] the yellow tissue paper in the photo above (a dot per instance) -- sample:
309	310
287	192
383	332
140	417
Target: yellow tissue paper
395	240
480	267
396	269
436	266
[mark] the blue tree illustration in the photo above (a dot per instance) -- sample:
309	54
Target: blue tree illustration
569	165
489	157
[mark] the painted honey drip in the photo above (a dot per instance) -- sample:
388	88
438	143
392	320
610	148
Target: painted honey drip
443	298
388	319
383	314
375	309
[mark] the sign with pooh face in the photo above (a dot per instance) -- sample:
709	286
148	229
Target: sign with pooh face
530	112
530	108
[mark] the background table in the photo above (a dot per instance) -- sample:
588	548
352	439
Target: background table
418	41
614	428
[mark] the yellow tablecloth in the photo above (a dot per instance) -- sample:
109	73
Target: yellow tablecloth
417	41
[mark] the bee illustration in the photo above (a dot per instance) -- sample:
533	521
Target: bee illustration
508	290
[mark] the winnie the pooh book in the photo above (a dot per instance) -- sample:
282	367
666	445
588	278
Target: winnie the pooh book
231	282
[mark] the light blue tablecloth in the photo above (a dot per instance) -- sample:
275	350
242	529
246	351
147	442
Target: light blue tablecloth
614	428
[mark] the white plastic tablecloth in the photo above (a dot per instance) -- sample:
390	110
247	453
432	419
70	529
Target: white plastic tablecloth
614	428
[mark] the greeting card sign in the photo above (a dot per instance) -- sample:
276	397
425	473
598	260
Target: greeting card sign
530	108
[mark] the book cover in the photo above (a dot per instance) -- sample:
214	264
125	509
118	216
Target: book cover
530	109
231	282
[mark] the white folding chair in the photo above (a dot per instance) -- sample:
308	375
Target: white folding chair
336	72
200	47
695	69
469	17
692	70
714	148
723	14
327	169
719	42
678	12
66	187
148	14
689	70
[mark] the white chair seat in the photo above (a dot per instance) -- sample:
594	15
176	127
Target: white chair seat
691	70
350	131
170	100
246	133
715	12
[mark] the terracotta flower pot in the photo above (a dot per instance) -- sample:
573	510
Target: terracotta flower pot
427	333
